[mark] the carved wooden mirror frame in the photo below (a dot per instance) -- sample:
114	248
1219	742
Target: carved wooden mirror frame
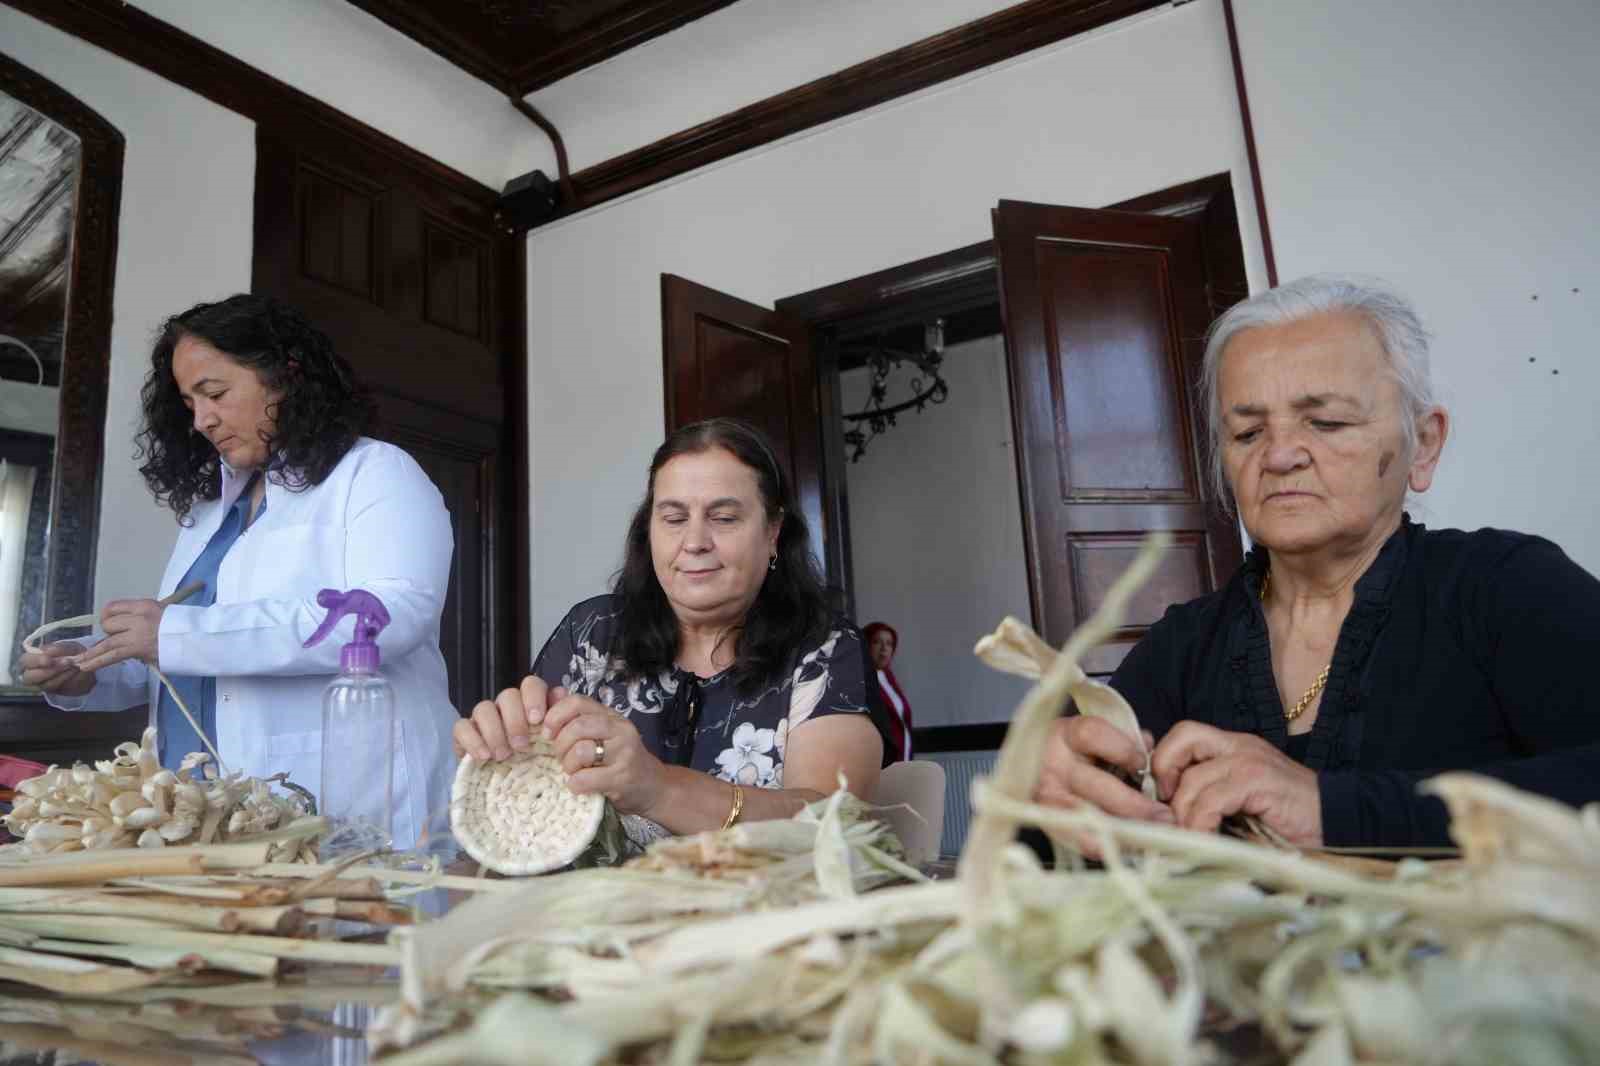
86	347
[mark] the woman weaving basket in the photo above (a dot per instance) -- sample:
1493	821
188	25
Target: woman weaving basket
1355	653
711	685
253	434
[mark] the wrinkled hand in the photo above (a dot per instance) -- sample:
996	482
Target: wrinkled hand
1073	773
133	631
503	725
629	776
1207	774
50	670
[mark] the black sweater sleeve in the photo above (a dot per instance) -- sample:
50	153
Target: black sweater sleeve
1530	618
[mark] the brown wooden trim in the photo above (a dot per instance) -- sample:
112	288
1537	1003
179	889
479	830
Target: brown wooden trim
992	39
86	349
972	266
426	33
1250	145
28	726
585	49
514	307
178	57
567	53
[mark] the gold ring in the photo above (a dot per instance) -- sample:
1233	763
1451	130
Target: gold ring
599	753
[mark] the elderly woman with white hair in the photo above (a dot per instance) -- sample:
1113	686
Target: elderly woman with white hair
1355	653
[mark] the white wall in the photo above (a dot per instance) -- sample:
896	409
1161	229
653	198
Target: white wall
359	64
184	235
741	54
936	535
1139	106
1453	149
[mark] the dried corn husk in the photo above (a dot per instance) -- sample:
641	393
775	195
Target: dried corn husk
130	801
688	954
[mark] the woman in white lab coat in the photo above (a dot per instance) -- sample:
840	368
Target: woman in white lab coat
253	435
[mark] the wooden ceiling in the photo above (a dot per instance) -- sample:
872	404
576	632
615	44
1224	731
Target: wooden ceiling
518	46
38	180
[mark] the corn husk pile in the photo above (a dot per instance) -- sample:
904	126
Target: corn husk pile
760	944
84	912
108	921
129	800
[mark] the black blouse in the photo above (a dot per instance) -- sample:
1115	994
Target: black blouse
1462	651
737	737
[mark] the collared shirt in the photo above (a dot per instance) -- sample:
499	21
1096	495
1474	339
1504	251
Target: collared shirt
375	522
175	732
1461	651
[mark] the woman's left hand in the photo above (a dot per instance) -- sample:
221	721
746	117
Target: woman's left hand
133	631
627	774
1207	774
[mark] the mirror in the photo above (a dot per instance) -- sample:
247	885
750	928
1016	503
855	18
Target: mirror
39	167
60	193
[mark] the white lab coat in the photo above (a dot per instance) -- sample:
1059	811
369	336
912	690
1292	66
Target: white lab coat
376	522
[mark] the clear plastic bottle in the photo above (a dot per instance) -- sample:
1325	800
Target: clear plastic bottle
357	733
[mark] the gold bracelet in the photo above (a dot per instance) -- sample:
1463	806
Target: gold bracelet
738	805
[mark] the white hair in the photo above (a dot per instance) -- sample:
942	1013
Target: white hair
1391	315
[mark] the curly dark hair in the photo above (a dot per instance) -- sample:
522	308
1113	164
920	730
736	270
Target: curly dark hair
791	610
321	412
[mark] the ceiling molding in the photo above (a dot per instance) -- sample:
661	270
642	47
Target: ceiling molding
520	47
977	44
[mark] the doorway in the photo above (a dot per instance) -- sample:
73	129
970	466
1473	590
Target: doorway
1097	318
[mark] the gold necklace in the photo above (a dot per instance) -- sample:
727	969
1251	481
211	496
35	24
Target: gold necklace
1316	686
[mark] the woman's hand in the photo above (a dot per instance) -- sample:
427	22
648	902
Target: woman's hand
1208	774
628	775
133	631
1072	773
503	725
50	670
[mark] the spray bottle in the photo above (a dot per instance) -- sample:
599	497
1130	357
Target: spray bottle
357	731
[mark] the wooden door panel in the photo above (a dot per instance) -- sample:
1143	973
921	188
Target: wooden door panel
1118	422
723	356
382	269
1105	312
1098	559
461	459
402	275
741	373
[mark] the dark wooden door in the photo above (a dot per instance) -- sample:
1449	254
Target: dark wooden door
725	357
408	275
1105	318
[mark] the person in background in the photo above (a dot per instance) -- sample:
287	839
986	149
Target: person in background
254	434
882	643
1356	653
712	684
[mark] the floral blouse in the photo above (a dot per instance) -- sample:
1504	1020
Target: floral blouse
738	738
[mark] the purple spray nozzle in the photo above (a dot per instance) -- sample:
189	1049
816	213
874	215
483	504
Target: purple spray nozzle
361	654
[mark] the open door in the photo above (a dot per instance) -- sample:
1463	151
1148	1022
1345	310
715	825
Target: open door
723	356
1105	317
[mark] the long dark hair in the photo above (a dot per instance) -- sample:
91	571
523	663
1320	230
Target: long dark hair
790	611
322	409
